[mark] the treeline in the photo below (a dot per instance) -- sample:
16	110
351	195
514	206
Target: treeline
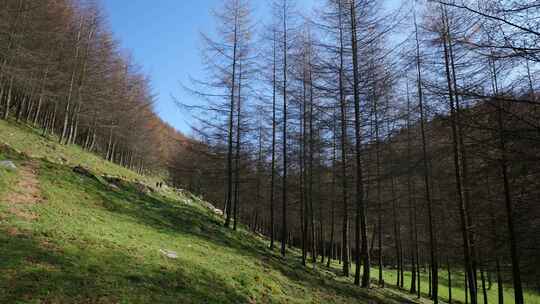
61	70
405	140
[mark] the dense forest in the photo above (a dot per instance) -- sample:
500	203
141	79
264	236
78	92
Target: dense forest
61	70
401	138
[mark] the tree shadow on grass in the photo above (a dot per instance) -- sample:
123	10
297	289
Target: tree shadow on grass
32	270
324	279
176	218
170	217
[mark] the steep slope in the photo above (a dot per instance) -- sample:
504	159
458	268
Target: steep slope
70	238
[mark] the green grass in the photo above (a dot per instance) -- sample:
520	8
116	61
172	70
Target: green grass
90	243
458	289
30	142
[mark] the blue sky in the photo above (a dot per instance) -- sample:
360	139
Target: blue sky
163	37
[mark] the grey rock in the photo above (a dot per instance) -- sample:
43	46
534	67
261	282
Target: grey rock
9	165
84	172
169	254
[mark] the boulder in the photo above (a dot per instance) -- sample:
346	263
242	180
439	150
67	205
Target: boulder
169	254
83	171
143	189
9	165
212	208
113	180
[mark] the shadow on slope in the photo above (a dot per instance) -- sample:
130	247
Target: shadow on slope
98	266
37	271
171	217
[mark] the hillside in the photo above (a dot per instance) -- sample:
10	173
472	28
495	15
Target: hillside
69	238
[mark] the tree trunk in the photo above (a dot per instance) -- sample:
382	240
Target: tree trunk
449	271
273	173
237	155
67	109
344	258
503	163
425	162
8	99
284	189
361	217
331	254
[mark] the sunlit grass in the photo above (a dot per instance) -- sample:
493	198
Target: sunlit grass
94	244
91	243
30	141
458	286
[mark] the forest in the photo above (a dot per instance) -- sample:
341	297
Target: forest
398	138
63	71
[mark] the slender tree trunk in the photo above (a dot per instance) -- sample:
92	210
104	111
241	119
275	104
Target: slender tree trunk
425	162
8	99
41	96
466	286
64	134
463	155
310	183
228	202
449	280
379	193
53	118
458	173
494	231
20	107
462	204
284	196
344	257
503	163
361	218
332	200
397	232
484	290
430	282
237	155
273	173
500	285
303	191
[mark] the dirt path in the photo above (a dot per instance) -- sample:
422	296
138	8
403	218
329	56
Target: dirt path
25	194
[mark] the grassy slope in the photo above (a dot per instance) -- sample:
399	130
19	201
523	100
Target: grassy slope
30	142
93	244
458	290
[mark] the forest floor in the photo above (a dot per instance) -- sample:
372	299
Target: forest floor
69	238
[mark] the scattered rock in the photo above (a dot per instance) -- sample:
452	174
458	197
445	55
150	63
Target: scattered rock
7	164
112	179
212	208
11	152
169	254
83	171
113	182
143	188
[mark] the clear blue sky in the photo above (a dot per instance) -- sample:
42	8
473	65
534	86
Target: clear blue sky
163	37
